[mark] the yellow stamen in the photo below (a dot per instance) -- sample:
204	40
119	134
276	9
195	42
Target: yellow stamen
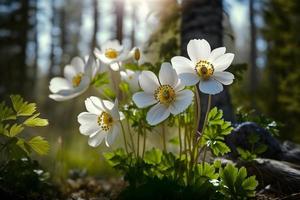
105	121
76	80
204	69
111	53
165	94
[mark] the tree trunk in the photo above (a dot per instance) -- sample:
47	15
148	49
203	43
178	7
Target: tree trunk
253	69
119	5
202	19
96	24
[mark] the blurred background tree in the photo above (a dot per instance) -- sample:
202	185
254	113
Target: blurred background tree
282	73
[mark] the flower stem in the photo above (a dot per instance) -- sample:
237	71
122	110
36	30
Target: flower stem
131	137
207	112
124	136
164	137
144	143
179	135
138	144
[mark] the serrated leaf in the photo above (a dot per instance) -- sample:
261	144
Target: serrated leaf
250	183
153	156
6	113
35	121
22	143
15	129
207	170
22	108
39	145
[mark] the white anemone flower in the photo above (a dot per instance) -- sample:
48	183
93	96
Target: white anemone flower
132	78
167	94
77	78
204	66
102	121
111	53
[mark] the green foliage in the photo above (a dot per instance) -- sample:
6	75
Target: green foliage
100	79
215	131
238	70
162	175
13	122
251	116
235	184
25	179
282	72
256	148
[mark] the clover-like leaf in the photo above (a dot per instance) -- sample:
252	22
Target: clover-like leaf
15	129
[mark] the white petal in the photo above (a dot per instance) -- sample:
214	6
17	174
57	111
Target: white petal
143	99
210	86
91	107
148	81
70	72
90	66
96	139
88	123
198	50
64	95
122	116
168	75
115	111
111	136
223	62
189	79
182	65
115	66
157	114
58	83
183	100
103	105
226	78
78	64
179	86
216	53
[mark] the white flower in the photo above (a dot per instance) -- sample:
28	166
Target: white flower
135	53
102	121
166	93
132	78
77	78
111	53
204	66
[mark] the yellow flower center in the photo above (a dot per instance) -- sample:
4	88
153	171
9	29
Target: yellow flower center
137	54
165	94
204	69
77	79
111	53
105	121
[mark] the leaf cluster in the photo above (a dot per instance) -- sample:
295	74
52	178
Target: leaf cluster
215	131
13	120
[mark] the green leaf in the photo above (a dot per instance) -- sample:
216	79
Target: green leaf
100	79
250	183
15	129
261	148
6	113
39	145
153	156
124	87
174	141
245	154
132	66
23	144
35	121
207	170
22	108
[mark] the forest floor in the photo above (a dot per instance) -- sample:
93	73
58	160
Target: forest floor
90	188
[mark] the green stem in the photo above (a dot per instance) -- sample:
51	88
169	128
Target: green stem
179	135
144	143
138	143
130	135
164	137
207	112
124	137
